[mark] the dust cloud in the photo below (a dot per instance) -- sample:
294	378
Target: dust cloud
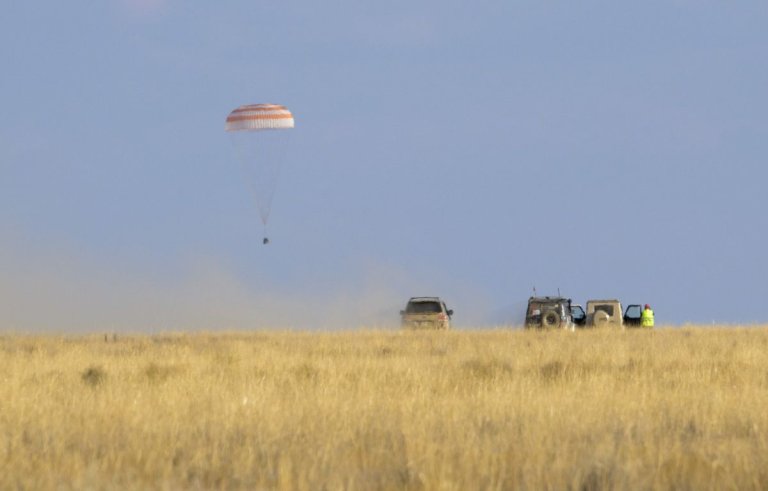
59	295
66	291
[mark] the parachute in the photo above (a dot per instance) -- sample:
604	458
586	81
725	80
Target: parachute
260	140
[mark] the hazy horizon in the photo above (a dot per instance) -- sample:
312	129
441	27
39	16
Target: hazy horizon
468	151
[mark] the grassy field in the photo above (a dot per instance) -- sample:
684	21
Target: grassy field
487	409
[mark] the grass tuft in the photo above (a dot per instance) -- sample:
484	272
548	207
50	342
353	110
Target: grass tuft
93	376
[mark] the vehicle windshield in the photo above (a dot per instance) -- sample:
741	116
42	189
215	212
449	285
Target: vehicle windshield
544	305
423	308
608	309
535	308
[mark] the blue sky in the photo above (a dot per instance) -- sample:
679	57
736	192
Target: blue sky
471	150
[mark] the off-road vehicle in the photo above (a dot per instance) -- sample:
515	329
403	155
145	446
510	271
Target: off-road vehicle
549	313
608	313
426	313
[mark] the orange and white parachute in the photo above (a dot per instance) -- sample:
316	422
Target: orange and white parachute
259	117
261	152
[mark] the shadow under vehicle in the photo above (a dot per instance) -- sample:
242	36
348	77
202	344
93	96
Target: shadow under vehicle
549	313
426	313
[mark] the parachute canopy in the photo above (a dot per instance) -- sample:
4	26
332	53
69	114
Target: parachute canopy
260	152
253	117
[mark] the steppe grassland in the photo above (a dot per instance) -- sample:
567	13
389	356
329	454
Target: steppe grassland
486	409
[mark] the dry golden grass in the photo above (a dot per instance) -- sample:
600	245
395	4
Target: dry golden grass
492	409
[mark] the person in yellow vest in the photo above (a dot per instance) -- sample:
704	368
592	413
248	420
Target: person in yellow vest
646	317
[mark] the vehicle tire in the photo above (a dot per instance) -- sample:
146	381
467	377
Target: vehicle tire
600	318
550	318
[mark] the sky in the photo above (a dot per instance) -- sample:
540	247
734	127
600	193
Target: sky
468	150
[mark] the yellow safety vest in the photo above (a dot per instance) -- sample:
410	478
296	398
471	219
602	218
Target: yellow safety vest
646	318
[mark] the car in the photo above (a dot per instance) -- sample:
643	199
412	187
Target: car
604	313
549	313
426	313
608	313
